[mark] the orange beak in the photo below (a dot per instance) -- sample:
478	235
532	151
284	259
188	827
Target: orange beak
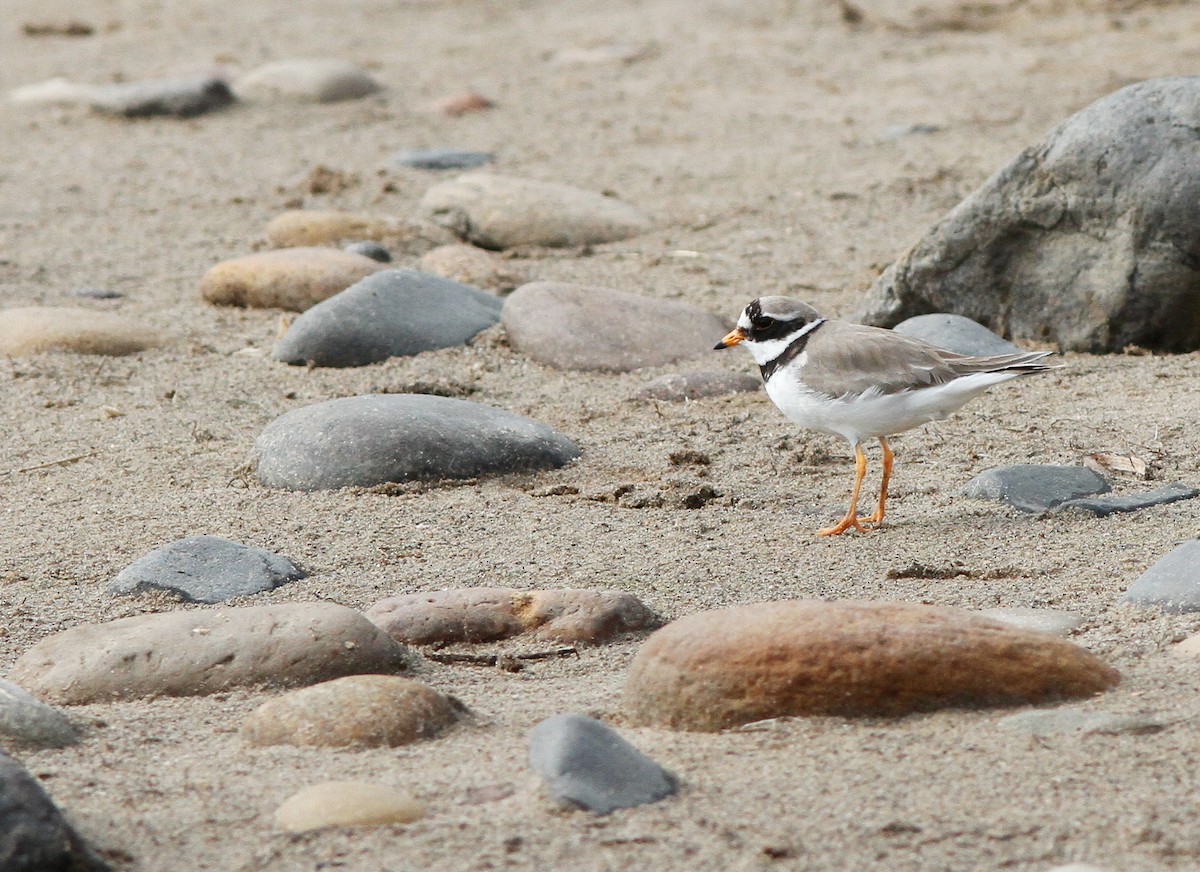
732	338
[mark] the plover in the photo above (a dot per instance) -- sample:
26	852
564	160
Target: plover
862	382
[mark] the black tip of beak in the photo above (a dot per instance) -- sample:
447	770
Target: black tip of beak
720	345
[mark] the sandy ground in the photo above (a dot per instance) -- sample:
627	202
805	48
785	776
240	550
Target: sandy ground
754	133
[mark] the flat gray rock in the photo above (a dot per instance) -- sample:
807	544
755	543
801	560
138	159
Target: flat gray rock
34	836
955	333
1090	239
1052	621
371	440
26	719
393	313
206	569
570	326
1053	722
1172	583
586	764
1101	506
683	386
182	98
1035	488
442	159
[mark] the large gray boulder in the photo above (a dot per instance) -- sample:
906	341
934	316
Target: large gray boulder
1090	239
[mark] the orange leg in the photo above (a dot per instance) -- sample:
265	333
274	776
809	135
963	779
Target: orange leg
851	518
887	474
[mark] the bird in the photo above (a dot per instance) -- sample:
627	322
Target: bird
861	382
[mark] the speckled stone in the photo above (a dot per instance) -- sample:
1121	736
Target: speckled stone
37	329
290	278
347	804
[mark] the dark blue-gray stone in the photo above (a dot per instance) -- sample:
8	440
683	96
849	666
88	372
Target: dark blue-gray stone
375	439
1172	583
34	836
26	719
442	159
206	569
956	333
1034	488
393	313
370	248
182	98
1101	506
588	765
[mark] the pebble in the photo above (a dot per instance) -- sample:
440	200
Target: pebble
369	248
1076	867
956	333
462	103
198	652
588	765
473	266
1172	583
358	711
36	329
1054	722
370	440
1103	506
402	236
347	804
1035	488
442	159
1052	621
482	614
91	293
394	313
291	278
311	80
26	719
718	669
34	835
684	386
181	98
206	569
585	328
495	211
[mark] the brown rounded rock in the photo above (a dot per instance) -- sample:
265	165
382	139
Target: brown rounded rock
358	711
473	266
719	669
35	329
290	278
309	227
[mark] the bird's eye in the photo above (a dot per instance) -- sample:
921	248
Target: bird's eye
761	322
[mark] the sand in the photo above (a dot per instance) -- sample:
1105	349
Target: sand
756	134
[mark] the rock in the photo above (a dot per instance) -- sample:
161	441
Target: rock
494	211
358	711
587	764
442	159
931	16
683	386
90	293
347	804
57	91
1066	720
481	614
192	653
182	98
368	248
1034	488
291	278
206	569
1052	621
719	669
26	719
371	440
1103	506
1076	867
1172	583
34	836
956	333
576	327
462	103
311	80
394	313
1083	239
473	266
306	227
37	329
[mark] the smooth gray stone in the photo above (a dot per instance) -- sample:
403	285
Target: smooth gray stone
1034	488
90	293
586	764
1089	239
679	387
442	159
955	333
1172	583
30	721
1101	506
370	440
182	98
393	313
1057	721
1050	621
206	569
371	249
34	836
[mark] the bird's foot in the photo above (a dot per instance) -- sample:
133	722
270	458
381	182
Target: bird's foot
847	523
